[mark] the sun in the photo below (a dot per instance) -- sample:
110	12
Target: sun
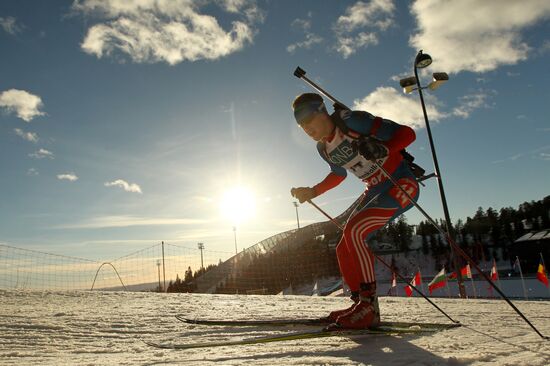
238	204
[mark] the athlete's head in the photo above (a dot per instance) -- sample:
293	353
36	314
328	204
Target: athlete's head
311	114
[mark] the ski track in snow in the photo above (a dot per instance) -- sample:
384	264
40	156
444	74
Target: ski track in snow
106	328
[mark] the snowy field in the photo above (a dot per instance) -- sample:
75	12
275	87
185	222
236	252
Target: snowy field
106	328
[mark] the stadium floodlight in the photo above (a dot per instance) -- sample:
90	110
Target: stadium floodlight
439	78
408	84
422	60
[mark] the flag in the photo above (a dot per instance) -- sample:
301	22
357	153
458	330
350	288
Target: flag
416	281
439	280
517	265
541	274
393	284
494	272
466	272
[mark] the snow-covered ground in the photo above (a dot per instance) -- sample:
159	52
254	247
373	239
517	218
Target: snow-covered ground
106	328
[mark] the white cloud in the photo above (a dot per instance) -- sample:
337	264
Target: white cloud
545	47
9	24
390	103
539	153
67	176
375	14
32	172
29	136
474	35
311	39
347	46
166	31
303	24
133	187
471	102
24	104
41	154
126	221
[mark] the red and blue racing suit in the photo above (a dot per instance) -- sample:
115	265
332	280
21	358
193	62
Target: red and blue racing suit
382	202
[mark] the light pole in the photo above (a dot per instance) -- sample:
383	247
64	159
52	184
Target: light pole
201	247
158	267
413	83
297	218
235	236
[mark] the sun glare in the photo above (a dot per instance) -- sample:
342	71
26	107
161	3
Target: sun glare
238	204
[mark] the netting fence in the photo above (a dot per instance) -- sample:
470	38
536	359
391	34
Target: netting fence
150	268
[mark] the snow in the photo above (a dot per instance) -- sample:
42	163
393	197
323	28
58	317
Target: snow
106	328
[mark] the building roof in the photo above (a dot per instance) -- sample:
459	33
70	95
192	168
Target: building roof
538	235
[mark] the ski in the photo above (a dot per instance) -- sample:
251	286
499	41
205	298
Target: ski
320	333
306	321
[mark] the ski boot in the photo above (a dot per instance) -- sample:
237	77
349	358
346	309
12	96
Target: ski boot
336	313
365	314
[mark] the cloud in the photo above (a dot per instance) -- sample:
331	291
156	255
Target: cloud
67	176
9	25
375	14
539	153
133	187
544	48
126	221
469	103
311	39
24	104
472	35
347	46
29	136
32	172
389	103
41	154
166	31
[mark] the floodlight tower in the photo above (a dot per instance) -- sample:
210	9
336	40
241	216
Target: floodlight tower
201	248
297	218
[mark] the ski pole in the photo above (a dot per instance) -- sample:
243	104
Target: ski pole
385	264
301	74
458	249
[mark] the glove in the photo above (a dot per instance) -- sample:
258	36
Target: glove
303	194
370	148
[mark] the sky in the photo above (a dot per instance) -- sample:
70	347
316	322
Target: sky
128	123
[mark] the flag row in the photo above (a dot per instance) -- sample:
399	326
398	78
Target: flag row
441	278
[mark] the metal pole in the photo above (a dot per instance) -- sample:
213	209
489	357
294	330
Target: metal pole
546	271
163	268
235	235
158	268
201	247
448	224
297	218
522	281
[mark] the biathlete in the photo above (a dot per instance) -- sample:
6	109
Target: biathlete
353	141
